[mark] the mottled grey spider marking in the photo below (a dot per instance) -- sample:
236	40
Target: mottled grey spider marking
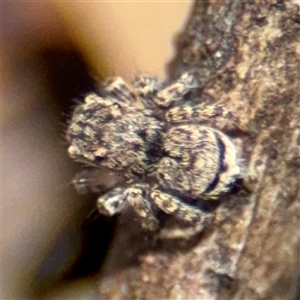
163	160
114	134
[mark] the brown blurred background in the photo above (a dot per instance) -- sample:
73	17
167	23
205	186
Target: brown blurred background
51	54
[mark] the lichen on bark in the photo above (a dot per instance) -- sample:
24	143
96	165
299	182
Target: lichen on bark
246	54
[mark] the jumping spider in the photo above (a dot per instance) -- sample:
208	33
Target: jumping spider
162	151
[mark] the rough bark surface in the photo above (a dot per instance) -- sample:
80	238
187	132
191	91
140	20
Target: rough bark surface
248	55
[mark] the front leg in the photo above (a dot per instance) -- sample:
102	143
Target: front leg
114	201
137	198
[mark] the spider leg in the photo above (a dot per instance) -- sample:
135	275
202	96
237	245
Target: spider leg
116	87
173	205
146	88
203	112
136	196
177	90
112	202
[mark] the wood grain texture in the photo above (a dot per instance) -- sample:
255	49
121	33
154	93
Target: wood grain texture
247	55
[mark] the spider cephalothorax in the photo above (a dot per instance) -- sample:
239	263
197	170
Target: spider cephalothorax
114	134
163	154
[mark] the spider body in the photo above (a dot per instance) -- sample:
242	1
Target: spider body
162	153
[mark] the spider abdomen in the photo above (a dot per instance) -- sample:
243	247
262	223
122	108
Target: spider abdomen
199	162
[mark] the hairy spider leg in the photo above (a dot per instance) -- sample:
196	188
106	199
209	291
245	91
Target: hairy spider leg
177	90
204	112
112	202
146	87
174	206
116	87
136	196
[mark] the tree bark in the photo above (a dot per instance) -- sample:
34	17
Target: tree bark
246	54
